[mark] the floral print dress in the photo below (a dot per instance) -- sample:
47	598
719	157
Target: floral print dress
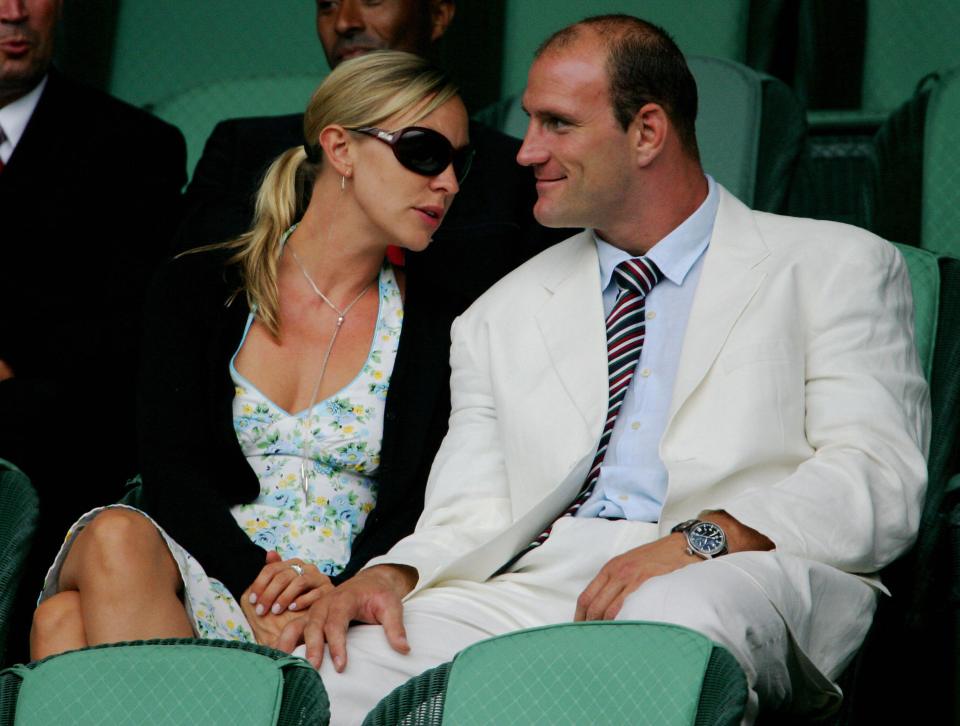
342	452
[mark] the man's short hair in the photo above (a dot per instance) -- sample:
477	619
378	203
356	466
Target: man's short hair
644	65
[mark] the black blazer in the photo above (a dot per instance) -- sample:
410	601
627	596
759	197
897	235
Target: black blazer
88	203
192	465
487	232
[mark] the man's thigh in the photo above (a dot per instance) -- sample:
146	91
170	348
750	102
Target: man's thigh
791	624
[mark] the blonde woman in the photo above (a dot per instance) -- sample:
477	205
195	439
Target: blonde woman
293	388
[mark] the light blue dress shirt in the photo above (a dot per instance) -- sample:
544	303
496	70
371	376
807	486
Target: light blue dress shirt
633	479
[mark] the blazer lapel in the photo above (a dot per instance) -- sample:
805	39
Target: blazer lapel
731	277
572	329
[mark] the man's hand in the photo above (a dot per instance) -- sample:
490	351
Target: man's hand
605	594
370	596
279	587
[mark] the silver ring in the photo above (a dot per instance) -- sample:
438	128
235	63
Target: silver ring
297	569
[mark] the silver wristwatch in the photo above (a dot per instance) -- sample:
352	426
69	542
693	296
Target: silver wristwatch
704	539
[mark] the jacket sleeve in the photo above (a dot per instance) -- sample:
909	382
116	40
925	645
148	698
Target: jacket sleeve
218	204
467	500
192	470
855	502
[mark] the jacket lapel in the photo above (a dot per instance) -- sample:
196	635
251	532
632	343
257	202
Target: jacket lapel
731	276
572	329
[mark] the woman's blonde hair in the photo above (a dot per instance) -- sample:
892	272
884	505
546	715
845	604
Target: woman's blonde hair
363	91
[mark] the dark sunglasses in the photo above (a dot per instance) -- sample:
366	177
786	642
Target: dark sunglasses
423	151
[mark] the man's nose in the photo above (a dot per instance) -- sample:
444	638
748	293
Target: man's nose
349	18
532	150
13	11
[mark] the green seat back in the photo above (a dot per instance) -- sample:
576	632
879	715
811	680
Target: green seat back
940	226
750	128
163	48
924	272
577	673
706	27
197	110
165	683
19	509
906	40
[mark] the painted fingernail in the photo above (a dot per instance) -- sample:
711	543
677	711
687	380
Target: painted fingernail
259	610
253	598
292	606
276	609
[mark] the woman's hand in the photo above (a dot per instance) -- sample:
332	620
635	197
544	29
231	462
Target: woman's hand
267	628
284	585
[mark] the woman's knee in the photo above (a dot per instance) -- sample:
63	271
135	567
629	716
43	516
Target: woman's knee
57	614
117	542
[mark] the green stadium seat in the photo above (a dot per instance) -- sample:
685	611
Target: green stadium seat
906	40
577	673
705	27
917	185
19	509
197	110
165	683
750	129
941	180
161	49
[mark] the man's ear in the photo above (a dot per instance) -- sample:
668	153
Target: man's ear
648	132
337	145
441	15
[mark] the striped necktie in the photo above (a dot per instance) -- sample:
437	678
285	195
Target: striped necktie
626	328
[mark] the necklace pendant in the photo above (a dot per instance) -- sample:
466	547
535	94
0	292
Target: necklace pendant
339	321
304	478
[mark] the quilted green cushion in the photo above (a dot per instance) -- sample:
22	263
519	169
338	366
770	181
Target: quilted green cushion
581	673
152	684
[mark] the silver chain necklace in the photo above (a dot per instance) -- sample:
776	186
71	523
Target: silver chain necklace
341	316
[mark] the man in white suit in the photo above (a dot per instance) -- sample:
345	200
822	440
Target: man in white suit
777	403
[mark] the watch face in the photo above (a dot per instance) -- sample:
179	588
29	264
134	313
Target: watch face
707	538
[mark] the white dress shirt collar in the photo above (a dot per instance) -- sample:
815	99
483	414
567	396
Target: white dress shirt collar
15	116
676	253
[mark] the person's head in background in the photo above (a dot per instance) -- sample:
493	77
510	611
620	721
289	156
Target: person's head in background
348	28
27	29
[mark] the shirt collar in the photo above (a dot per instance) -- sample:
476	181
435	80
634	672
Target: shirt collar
15	116
676	253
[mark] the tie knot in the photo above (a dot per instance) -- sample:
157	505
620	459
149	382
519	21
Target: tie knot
637	275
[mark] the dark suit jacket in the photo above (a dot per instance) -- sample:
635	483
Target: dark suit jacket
88	202
193	467
488	231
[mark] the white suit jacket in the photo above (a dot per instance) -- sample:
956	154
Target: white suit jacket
799	405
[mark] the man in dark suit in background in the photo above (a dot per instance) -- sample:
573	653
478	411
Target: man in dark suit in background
89	198
488	231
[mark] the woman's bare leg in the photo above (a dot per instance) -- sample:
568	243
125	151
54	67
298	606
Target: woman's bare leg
127	581
57	626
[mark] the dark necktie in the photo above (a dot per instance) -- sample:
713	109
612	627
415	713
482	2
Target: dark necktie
626	328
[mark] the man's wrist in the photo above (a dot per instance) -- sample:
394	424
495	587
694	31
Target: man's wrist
400	578
740	537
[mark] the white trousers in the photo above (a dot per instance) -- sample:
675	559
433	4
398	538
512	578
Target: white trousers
791	624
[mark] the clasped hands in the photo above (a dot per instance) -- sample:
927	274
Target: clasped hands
280	594
375	595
